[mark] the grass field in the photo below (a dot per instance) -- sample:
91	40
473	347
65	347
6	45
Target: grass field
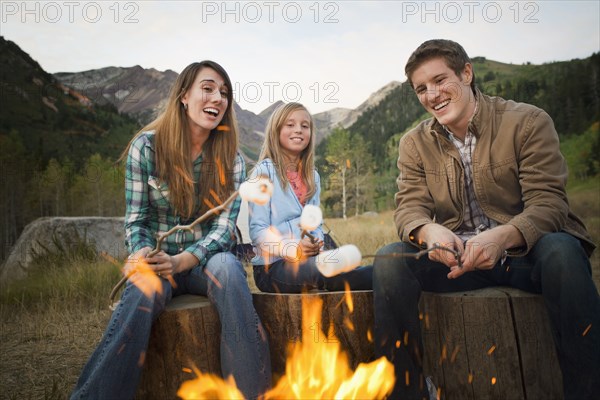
51	322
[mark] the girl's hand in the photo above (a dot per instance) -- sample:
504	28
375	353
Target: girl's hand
308	249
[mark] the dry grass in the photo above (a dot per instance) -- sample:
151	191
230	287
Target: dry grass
50	326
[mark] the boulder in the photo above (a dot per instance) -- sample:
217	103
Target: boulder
104	234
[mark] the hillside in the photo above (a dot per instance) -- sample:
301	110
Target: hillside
51	120
136	91
42	121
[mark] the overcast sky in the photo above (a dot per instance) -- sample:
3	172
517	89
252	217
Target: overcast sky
325	54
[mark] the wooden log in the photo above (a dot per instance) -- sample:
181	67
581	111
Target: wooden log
492	343
281	314
185	336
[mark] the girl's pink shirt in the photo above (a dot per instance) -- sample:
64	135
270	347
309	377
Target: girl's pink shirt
298	186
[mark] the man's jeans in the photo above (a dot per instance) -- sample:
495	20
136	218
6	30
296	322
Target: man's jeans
557	267
114	369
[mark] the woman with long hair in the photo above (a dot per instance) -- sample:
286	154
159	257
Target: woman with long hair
178	166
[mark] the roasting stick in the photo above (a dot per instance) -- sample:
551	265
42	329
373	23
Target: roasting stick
258	191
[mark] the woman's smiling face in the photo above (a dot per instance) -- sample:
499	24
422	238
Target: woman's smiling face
206	100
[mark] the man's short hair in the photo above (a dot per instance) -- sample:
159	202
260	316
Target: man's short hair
453	54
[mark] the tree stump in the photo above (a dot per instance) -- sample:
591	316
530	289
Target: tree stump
185	336
493	343
281	315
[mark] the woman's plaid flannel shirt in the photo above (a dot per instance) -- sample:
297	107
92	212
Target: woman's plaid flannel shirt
149	213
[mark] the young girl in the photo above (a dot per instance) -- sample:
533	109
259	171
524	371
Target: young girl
170	175
286	259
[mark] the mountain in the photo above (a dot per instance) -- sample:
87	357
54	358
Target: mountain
346	117
52	120
41	121
136	91
141	93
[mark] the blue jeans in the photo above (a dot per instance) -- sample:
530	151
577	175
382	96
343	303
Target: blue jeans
114	369
557	267
285	277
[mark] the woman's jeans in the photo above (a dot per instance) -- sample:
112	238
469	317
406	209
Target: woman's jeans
286	277
114	369
557	267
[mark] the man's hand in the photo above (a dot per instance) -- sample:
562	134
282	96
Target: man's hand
486	249
436	234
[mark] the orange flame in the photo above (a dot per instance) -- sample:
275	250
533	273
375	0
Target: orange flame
207	386
145	279
315	369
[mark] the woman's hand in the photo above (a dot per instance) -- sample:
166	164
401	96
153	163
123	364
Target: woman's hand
163	264
132	261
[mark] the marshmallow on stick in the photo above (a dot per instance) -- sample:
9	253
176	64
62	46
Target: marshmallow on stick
257	191
311	219
343	259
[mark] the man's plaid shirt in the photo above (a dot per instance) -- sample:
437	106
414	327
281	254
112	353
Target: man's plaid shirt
474	218
149	213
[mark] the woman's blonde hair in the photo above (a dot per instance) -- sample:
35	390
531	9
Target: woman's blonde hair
271	148
174	162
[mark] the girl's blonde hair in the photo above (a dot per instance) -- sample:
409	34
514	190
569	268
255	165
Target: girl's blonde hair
272	149
174	162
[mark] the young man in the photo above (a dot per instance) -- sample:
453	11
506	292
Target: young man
485	178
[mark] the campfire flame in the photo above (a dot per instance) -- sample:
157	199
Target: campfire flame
145	279
314	370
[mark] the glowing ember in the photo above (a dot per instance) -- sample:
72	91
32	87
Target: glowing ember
587	330
314	370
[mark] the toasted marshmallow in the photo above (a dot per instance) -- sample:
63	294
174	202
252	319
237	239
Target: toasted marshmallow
343	259
311	217
257	191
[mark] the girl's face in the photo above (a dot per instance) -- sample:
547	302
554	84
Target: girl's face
294	135
206	100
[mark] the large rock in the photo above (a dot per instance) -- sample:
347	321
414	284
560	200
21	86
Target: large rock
105	234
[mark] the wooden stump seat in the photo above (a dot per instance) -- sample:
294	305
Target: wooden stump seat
186	335
492	343
281	315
